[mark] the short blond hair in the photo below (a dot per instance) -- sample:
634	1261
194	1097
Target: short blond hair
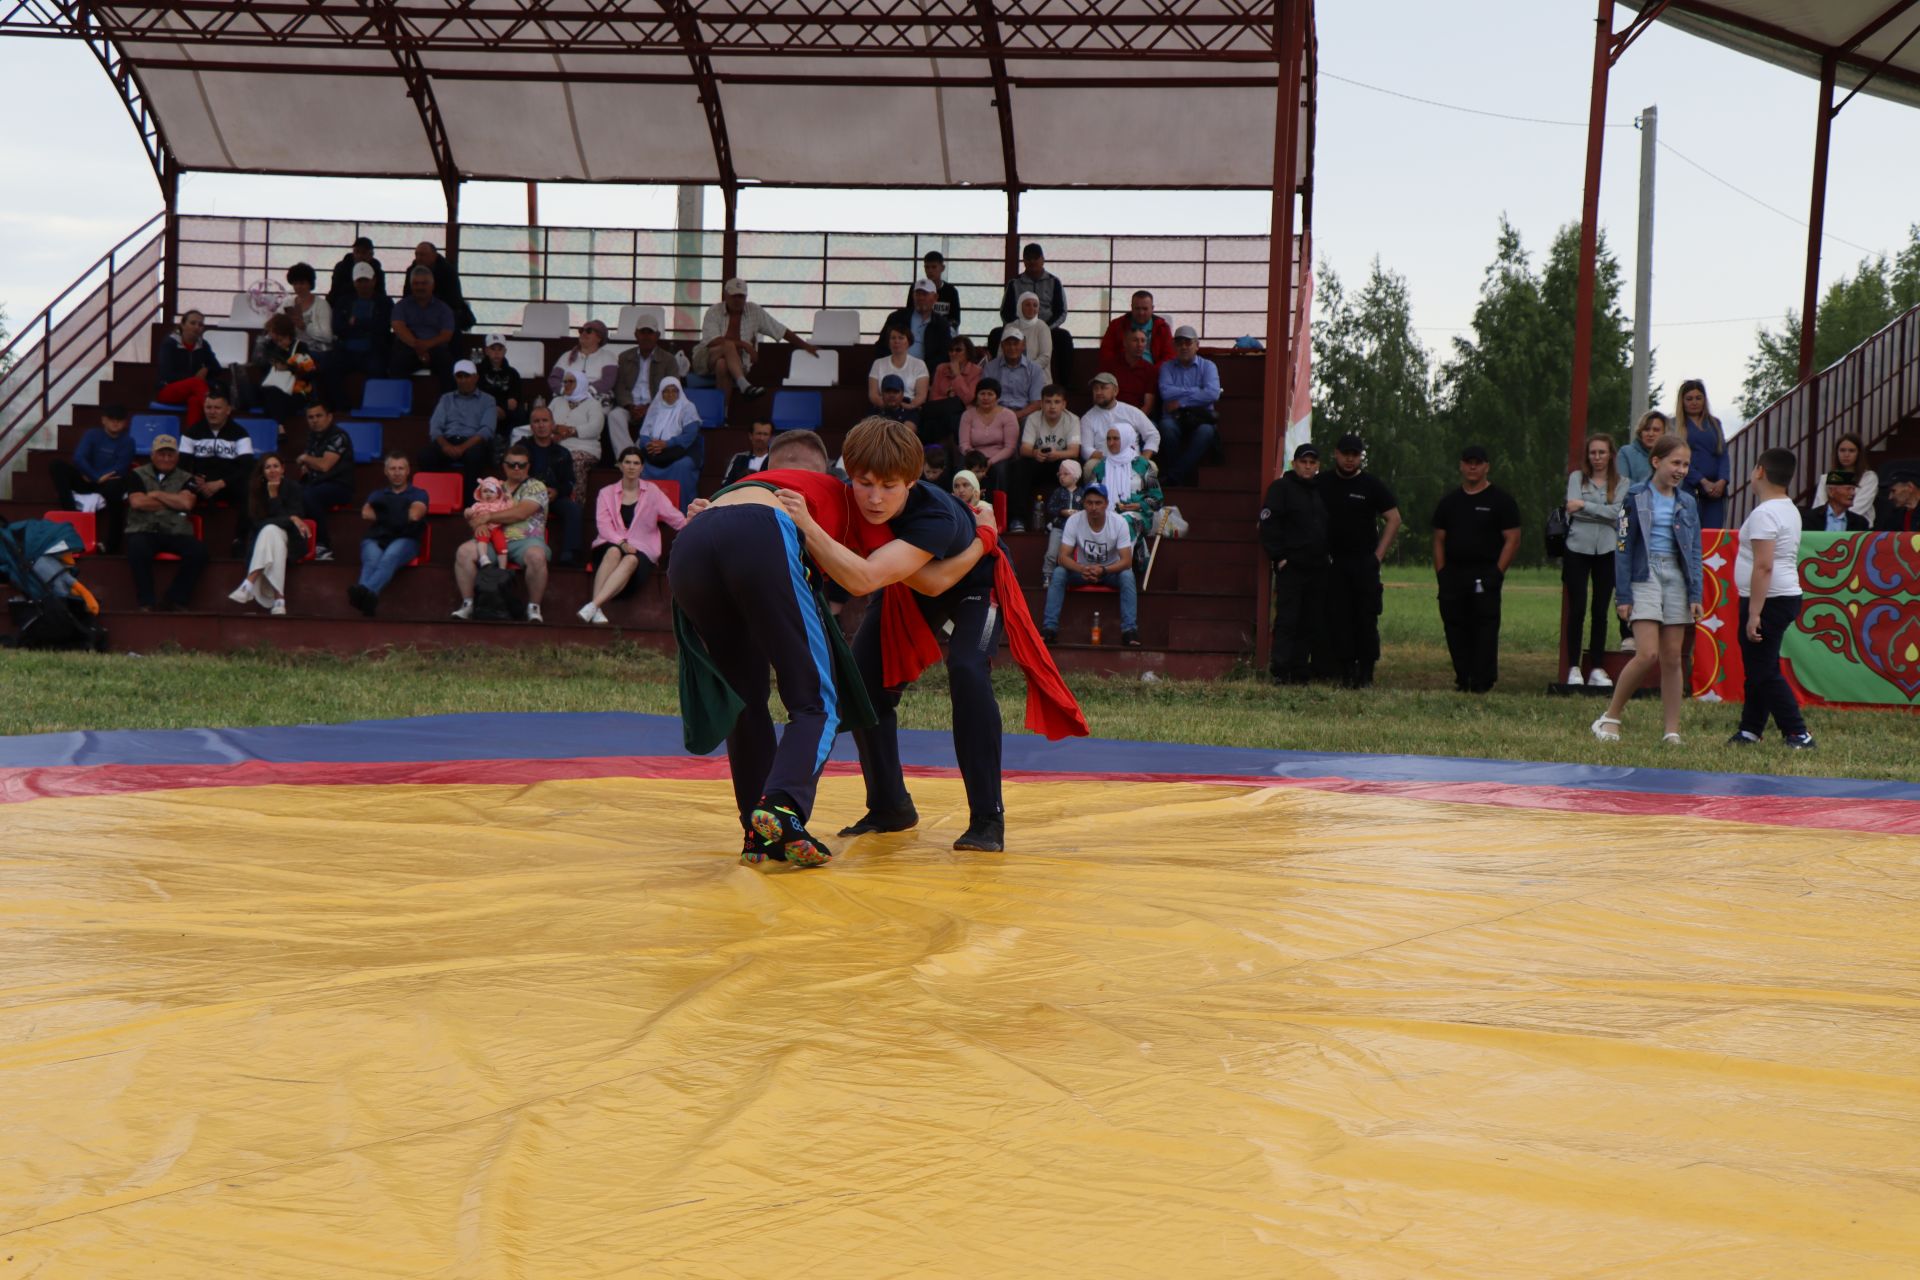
884	448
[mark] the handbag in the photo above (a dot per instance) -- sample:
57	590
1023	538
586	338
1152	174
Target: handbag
1558	525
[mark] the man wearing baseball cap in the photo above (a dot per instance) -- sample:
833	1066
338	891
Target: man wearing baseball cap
504	384
363	322
1902	512
1293	533
1363	519
461	430
946	302
1110	411
1836	515
926	329
160	502
340	288
1476	533
731	334
1189	421
1034	278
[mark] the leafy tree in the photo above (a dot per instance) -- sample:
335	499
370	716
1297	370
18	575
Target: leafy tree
6	361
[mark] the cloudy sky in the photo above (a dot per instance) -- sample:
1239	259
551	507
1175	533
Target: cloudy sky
1420	185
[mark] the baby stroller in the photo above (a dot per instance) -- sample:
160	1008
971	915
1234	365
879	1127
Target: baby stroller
50	608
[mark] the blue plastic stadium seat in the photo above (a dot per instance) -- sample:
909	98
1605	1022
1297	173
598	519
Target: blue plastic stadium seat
693	380
161	406
386	398
366	437
711	404
264	432
148	425
795	410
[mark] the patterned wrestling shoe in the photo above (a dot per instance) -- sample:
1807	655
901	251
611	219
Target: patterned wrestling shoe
754	850
783	837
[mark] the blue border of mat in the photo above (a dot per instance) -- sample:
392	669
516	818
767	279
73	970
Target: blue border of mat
572	735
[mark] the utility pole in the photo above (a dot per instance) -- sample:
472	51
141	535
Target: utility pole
1648	124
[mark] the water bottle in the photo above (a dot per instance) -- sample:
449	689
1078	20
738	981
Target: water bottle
1039	514
1096	626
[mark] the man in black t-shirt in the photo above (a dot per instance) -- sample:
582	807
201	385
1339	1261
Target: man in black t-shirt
549	462
1293	533
326	473
1358	502
398	516
1476	531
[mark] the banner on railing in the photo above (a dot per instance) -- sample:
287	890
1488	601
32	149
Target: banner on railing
1857	641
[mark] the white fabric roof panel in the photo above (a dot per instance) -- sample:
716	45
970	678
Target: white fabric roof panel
265	121
1784	32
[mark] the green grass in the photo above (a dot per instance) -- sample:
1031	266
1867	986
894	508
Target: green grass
1413	710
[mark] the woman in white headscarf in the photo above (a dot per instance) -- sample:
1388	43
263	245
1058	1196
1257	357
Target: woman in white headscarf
579	421
671	439
1039	337
1132	482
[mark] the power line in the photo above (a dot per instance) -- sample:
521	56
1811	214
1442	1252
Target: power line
1800	222
1452	106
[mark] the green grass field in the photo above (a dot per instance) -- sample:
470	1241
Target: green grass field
1412	710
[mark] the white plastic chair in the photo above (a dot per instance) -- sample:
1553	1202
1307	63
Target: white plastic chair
547	320
530	358
241	315
229	346
836	328
631	315
807	370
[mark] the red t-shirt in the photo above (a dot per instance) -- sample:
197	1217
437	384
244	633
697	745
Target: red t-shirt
829	500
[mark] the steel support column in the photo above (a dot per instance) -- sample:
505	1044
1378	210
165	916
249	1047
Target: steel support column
1589	232
1291	33
1816	215
1013	244
730	231
170	240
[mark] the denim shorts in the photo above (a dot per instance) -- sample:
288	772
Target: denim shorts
1663	597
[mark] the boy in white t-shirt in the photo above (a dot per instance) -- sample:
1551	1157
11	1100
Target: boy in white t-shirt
1767	575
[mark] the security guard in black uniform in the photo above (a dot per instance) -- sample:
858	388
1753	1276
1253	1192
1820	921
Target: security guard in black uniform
1293	533
1358	542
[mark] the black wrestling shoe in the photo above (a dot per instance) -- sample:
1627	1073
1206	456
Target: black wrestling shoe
987	836
904	820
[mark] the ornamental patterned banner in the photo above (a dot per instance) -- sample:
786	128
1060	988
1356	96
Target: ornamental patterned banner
1857	641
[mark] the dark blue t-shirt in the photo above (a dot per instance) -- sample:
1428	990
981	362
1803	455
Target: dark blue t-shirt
935	521
390	514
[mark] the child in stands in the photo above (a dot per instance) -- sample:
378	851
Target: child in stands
489	496
1061	503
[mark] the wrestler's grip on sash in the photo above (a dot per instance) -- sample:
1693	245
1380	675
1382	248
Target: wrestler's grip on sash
795	505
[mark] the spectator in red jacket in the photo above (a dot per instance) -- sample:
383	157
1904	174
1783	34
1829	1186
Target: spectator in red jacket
1158	332
1138	376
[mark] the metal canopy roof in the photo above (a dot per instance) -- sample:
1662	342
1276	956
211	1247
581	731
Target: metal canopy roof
1002	94
1866	38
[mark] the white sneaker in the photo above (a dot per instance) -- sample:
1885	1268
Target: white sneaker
1670	739
1628	646
533	613
1607	729
1599	679
1573	676
279	609
587	611
601	619
242	594
465	611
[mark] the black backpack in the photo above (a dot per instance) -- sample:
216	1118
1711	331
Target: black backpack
496	594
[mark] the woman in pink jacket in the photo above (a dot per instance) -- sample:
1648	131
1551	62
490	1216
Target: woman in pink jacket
626	545
993	430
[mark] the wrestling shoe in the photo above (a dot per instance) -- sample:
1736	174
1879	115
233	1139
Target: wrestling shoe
904	820
781	830
754	850
987	836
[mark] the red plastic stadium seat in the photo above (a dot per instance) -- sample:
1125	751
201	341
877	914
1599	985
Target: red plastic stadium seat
446	491
426	548
671	488
83	523
1000	510
199	531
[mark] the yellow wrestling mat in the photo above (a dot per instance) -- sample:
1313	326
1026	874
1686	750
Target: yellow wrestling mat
1184	1030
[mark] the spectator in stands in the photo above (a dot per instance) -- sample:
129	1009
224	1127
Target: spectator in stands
1902	513
1138	376
220	452
626	544
671	440
1107	412
935	470
1476	533
893	402
730	335
1034	332
276	536
504	384
185	368
1594	497
1096	550
551	463
991	430
280	376
397	516
1294	533
423	329
1034	278
1138	319
952	391
1850	454
752	458
461	429
446	283
1019	378
589	361
1061	503
977	462
946	298
910	369
1835	513
312	317
525	525
1046	439
640	369
160	502
1189	413
1707	474
580	422
1636	460
325	473
102	464
1131	481
346	273
926	330
363	325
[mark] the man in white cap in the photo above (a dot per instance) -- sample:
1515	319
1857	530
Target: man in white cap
731	334
642	367
1189	423
926	329
363	323
505	384
461	430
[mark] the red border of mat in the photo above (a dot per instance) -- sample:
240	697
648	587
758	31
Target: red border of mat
1887	817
